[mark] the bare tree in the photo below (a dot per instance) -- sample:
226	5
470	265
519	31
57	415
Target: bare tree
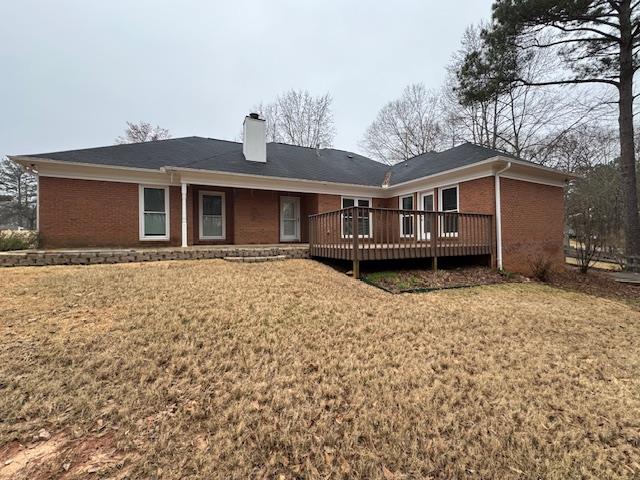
298	118
515	118
582	148
406	127
21	186
142	132
594	213
597	42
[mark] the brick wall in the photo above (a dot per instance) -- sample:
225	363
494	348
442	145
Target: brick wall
532	224
255	216
477	196
326	203
89	213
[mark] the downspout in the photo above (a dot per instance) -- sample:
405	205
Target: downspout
499	216
34	169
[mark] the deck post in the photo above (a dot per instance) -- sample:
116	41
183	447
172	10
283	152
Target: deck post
434	239
355	233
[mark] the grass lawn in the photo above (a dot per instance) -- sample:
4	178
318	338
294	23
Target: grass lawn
291	370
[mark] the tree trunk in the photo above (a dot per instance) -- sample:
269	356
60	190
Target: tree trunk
627	147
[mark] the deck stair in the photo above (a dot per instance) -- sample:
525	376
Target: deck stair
270	258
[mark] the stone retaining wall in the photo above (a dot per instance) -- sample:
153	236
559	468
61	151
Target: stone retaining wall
87	257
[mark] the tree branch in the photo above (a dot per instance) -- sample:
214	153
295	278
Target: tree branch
569	81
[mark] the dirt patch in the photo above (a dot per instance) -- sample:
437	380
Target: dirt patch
17	460
60	457
418	280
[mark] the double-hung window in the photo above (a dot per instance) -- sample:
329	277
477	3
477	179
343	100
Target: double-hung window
364	217
212	218
449	204
406	219
154	213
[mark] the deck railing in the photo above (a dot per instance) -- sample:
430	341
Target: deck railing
384	233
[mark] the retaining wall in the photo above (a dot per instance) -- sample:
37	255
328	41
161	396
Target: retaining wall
87	257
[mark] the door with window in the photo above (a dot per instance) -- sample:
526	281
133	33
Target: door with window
427	206
364	217
406	219
212	217
289	219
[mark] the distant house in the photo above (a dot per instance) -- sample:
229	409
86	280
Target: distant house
201	191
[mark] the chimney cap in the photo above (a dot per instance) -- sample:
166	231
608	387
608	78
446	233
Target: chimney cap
254	116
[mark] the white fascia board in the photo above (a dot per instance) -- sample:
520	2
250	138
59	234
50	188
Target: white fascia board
107	173
262	182
440	180
525	171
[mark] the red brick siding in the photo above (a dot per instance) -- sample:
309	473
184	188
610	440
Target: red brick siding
532	224
256	214
89	213
477	196
327	203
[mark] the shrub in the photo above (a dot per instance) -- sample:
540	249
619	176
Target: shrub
541	268
18	240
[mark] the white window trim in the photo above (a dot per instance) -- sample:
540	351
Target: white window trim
457	210
426	235
201	194
167	224
283	237
355	202
402	233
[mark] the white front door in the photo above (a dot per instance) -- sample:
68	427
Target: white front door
289	219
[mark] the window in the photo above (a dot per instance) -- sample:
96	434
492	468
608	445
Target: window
364	217
154	213
406	220
449	203
212	218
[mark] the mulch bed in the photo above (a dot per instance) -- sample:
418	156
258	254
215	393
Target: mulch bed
402	281
596	283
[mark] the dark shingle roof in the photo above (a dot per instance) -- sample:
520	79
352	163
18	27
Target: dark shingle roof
284	161
437	162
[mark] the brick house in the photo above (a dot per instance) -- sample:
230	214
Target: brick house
468	200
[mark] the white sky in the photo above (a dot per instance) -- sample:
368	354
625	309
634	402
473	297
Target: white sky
72	72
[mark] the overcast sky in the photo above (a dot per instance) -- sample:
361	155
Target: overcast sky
72	72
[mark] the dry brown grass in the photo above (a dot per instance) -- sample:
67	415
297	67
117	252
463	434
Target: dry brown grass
215	370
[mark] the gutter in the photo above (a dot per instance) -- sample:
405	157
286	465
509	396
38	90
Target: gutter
499	215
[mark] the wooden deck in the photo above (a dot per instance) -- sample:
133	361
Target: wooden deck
387	234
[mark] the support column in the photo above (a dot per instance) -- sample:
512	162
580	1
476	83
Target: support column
183	192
